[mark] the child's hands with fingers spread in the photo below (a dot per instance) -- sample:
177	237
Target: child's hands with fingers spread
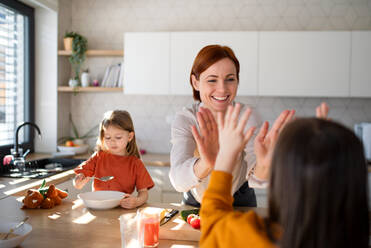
232	138
129	202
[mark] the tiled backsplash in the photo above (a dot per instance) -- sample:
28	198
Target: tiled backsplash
152	114
104	23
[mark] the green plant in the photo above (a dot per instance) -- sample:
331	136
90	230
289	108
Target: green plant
69	34
89	134
79	48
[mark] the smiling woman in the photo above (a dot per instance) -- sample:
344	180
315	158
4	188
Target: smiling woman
214	79
16	72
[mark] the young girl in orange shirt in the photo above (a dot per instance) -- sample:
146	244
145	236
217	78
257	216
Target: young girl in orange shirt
117	155
317	193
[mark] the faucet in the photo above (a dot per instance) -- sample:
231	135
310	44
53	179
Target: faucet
16	153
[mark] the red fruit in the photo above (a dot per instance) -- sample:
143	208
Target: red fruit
190	217
196	223
69	143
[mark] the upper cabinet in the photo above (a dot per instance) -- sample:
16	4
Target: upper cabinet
304	63
184	47
147	63
361	64
319	64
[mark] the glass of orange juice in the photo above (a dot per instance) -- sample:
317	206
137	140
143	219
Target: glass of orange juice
148	227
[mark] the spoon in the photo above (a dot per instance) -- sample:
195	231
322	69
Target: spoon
16	227
104	179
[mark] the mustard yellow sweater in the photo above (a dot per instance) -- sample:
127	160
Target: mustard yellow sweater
221	226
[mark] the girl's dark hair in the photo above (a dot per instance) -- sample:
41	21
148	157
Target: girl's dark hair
318	187
208	56
120	119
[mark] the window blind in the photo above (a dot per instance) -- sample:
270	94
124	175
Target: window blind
11	74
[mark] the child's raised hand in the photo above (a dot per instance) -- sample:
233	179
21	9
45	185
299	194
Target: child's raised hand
265	141
129	202
80	181
232	138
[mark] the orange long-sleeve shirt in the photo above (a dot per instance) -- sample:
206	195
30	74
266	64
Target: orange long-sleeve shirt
128	171
221	226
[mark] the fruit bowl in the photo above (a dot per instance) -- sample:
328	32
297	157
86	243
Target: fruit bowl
75	149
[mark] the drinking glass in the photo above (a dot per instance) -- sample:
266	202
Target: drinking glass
128	229
148	227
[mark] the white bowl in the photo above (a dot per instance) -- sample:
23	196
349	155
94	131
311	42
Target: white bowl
104	199
76	149
22	233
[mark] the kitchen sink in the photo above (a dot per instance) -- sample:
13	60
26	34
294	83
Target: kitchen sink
41	168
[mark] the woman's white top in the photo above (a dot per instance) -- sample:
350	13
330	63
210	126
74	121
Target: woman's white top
182	158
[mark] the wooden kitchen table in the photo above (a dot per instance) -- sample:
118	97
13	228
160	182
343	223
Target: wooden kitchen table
73	225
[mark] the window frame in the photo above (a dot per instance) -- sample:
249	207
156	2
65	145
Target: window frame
29	74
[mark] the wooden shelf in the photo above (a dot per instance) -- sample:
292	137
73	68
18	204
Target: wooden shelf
95	53
88	89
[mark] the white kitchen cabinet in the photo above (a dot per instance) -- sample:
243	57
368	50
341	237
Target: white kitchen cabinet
186	45
147	63
304	63
360	81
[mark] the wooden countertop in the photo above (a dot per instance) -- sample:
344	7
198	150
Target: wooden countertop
73	225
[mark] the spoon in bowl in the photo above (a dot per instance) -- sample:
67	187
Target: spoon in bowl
104	179
16	227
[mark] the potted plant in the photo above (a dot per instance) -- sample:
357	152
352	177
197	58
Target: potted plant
76	139
79	48
67	40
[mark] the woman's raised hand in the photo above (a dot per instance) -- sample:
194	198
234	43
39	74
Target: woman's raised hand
232	137
207	140
265	141
322	111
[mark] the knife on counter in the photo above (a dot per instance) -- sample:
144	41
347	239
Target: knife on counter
168	216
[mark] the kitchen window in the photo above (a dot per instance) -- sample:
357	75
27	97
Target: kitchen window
16	73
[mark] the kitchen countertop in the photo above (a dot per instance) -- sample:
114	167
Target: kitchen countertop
71	224
19	186
152	159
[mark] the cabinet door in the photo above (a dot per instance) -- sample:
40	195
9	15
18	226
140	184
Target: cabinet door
186	45
146	68
360	80
304	63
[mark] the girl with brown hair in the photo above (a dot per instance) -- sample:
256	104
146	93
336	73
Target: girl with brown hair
117	155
